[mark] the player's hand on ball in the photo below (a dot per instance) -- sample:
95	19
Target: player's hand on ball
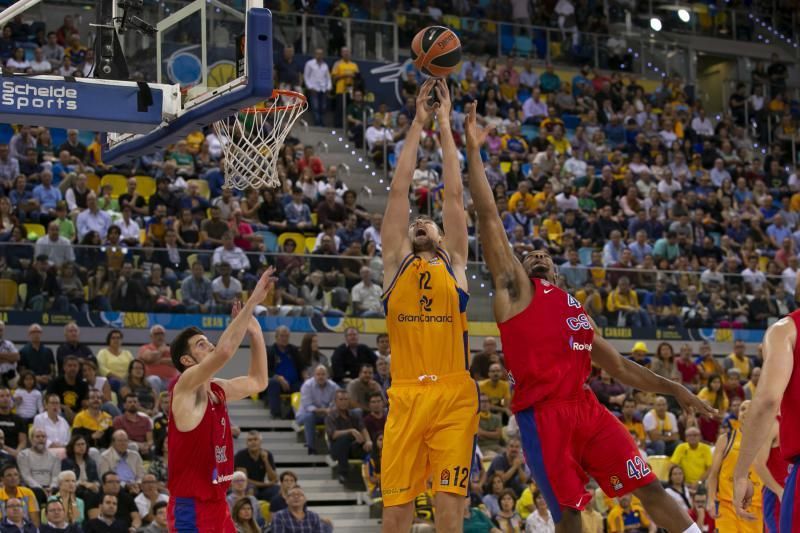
425	110
743	497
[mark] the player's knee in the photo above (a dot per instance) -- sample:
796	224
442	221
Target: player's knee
398	518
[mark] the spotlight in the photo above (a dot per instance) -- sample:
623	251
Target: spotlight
683	15
655	24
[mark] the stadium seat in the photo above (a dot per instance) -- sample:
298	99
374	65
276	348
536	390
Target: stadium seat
142	236
660	465
270	240
530	132
202	186
298	238
8	293
523	45
314	219
22	292
93	182
311	243
36	229
505	167
265	512
296	401
58	136
6	132
571	121
118	182
191	259
146	186
585	255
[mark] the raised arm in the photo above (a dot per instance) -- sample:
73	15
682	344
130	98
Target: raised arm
394	231
779	343
453	214
712	481
629	373
197	375
257	375
511	283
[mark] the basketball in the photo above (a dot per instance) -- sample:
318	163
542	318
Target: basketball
436	51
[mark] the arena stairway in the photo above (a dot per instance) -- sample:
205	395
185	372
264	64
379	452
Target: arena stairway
325	495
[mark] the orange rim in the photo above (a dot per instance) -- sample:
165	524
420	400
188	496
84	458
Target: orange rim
301	99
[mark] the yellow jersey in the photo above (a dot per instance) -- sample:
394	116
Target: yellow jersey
725	478
426	318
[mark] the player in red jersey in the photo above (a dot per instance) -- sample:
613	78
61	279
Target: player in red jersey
549	345
773	470
778	389
200	466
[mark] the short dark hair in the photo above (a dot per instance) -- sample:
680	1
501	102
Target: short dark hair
287	473
157	507
105	476
131	395
372	395
6	467
180	346
110	333
364	365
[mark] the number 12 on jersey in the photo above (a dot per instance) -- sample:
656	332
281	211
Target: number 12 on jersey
637	468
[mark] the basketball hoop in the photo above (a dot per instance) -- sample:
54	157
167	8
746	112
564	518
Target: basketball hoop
252	138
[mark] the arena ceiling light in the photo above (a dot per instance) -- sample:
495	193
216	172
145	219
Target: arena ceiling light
655	24
683	14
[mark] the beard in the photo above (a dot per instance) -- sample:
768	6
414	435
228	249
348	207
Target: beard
540	271
423	243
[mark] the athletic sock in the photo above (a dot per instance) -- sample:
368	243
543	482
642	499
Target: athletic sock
693	529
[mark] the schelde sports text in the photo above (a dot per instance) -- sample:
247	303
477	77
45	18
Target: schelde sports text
25	96
424	318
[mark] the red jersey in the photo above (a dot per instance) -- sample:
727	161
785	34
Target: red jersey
547	348
200	462
790	415
777	465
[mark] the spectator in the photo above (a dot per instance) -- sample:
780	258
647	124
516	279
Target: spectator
136	384
360	390
689	373
15	519
662	429
57	249
52	423
56	519
124	462
750	386
317	78
159	523
609	392
346	434
699	512
137	427
157	360
286	370
296	518
239	491
738	359
13	427
624	302
196	291
113	360
693	457
79	463
259	465
92	218
627	516
310	355
631	420
348	358
366	296
540	520
497	390
37	358
72	345
74	509
231	254
479	368
329	210
12	491
148	498
288	479
52	51
490	429
38	467
316	399
27	398
225	289
70	388
511	466
94	425
106	520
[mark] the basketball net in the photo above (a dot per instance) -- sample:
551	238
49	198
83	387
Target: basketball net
252	138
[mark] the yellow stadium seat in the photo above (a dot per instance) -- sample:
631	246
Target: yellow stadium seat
93	182
118	182
37	229
22	292
265	512
146	186
296	401
8	293
299	241
191	259
505	167
202	187
660	465
142	236
763	262
311	243
314	219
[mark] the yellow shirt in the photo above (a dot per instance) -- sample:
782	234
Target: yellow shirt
426	319
26	495
742	364
694	462
85	420
116	364
498	393
343	68
529	200
561	146
540	199
593	304
619	519
636	427
554	230
725	478
617	300
794	204
711	398
525	503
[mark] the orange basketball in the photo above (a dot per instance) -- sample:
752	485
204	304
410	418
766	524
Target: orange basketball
436	51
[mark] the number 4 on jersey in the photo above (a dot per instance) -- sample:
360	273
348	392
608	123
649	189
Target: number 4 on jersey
637	468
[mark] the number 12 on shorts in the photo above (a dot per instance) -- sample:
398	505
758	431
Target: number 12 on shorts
637	468
459	478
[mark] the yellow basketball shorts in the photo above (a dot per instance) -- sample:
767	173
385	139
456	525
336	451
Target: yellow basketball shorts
729	522
430	431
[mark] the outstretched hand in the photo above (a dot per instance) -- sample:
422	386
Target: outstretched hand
425	109
264	286
476	135
445	105
694	405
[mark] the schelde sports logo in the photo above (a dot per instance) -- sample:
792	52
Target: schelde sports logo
577	346
25	96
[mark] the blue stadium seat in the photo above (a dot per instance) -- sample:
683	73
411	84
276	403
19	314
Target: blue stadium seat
391	159
270	240
6	132
522	95
506	43
59	136
526	169
540	43
523	45
571	121
530	132
585	255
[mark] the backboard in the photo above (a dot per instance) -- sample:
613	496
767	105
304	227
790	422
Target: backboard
206	60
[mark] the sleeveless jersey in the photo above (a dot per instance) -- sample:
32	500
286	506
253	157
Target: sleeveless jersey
790	415
200	462
777	465
547	348
426	318
725	479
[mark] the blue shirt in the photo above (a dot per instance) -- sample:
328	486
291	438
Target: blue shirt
657	301
47	197
286	366
778	234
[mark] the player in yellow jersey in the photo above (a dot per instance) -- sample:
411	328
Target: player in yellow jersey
433	401
720	484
